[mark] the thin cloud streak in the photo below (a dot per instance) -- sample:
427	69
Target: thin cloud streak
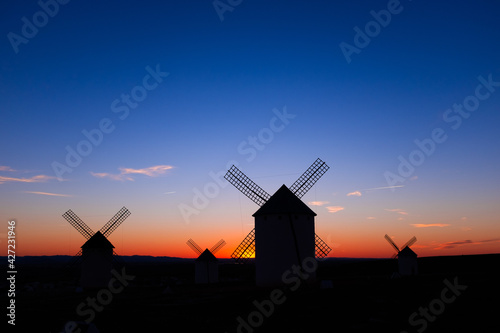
50	194
6	168
451	245
397	210
317	203
355	193
421	225
118	177
34	179
153	171
382	188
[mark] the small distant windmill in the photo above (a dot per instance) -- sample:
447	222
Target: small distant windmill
96	255
407	259
284	226
206	265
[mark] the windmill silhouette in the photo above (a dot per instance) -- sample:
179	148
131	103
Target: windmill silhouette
97	254
284	226
407	259
206	265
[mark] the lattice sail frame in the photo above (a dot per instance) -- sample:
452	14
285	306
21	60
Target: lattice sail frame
195	247
410	242
115	222
246	186
78	224
321	248
309	178
220	244
246	249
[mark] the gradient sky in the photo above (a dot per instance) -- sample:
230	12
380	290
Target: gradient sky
270	85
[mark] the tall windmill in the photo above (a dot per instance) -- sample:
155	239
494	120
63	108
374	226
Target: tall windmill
206	265
407	259
284	226
96	255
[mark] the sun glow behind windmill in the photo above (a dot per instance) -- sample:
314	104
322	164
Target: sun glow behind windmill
276	244
97	254
206	265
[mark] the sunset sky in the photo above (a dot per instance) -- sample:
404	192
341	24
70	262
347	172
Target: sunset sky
146	104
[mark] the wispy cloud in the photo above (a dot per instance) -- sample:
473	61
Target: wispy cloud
397	210
6	168
34	179
318	203
382	188
421	225
371	218
125	173
451	245
359	193
334	209
50	194
120	177
151	171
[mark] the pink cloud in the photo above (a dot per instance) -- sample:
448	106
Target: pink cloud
34	179
334	209
153	171
440	225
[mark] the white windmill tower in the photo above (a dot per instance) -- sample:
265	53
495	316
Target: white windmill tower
407	259
206	266
97	254
284	233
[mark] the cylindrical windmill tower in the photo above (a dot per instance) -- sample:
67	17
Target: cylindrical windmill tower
284	237
97	254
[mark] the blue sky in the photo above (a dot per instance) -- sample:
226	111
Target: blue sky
227	80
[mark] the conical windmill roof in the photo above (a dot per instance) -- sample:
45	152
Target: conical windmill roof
407	252
284	202
206	256
98	241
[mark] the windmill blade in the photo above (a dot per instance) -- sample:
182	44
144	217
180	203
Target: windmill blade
410	242
218	246
246	249
115	221
321	248
246	186
309	178
192	244
389	239
79	225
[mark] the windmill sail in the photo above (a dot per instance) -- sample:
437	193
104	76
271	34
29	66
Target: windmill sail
309	178
321	248
218	246
246	249
192	244
78	224
115	221
246	186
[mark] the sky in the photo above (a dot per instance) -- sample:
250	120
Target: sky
146	104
